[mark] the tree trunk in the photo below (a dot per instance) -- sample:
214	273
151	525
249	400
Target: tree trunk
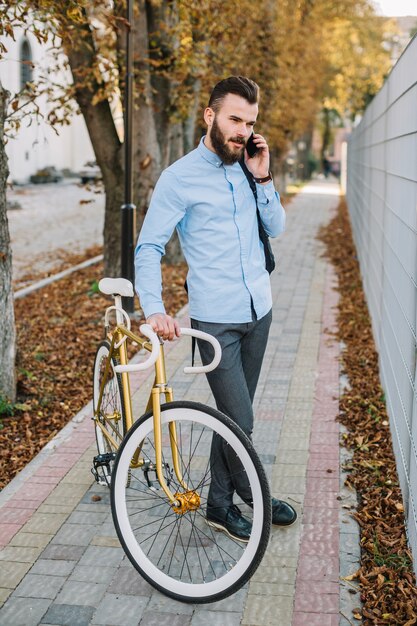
190	124
106	144
147	153
278	170
7	327
327	132
112	235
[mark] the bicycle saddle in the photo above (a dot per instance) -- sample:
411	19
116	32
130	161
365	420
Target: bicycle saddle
116	287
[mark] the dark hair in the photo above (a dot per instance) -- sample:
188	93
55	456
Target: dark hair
239	85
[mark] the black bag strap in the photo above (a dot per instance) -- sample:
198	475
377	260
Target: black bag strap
269	255
251	182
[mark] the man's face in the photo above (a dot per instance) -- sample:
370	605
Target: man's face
230	128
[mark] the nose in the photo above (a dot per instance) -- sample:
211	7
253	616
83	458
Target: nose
243	130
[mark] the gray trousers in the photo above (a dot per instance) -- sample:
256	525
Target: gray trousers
233	384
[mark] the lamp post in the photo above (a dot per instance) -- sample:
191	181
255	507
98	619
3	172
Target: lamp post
128	209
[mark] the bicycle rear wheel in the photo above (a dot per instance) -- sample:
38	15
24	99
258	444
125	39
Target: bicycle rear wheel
111	413
178	552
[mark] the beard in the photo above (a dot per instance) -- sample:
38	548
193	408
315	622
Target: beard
219	142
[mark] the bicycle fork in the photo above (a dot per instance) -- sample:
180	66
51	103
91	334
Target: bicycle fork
188	499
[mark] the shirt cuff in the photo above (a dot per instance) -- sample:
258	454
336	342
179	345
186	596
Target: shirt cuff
266	193
151	309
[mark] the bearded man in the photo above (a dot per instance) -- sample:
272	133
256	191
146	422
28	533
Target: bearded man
206	196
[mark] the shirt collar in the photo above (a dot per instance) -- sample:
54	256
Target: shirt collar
207	154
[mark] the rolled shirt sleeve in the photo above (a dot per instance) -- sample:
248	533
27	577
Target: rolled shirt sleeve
270	209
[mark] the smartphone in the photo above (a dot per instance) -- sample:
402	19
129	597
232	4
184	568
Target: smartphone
251	147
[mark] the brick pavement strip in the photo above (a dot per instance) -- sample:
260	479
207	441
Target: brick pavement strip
69	539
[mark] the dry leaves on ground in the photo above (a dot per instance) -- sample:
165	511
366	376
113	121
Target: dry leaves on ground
386	577
58	329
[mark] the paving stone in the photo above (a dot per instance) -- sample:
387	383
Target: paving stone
268	610
4	594
45	523
348	525
78	476
315	601
87	517
273	575
162	604
19	554
120	610
23	611
288	484
97	556
65	553
348	564
86	573
67	491
215	618
233	603
293	457
271	589
282	470
62	507
30	540
288	443
81	593
7	531
106	529
94	506
74	535
318	619
51	567
69	615
11	573
39	586
128	581
109	542
165	619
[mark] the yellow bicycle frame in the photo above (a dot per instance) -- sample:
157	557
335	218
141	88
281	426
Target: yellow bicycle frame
159	388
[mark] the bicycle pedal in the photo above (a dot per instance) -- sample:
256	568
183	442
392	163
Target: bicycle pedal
99	462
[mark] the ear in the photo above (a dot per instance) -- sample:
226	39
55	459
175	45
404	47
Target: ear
209	116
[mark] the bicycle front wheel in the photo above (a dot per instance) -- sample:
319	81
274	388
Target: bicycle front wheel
174	548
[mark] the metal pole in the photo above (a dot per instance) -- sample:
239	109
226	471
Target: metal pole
128	209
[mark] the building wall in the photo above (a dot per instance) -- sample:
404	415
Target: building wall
382	200
36	144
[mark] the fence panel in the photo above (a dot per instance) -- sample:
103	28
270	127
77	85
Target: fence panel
382	199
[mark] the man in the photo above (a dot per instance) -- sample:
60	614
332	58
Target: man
207	197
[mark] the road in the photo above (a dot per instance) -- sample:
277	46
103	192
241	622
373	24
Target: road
54	219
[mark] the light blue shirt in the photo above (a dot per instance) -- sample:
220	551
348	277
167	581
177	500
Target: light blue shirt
214	211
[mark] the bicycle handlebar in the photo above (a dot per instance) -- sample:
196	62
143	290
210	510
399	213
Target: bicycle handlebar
199	334
148	331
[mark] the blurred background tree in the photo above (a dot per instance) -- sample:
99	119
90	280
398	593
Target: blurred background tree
306	55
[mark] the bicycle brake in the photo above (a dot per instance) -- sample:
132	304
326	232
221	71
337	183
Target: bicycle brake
148	466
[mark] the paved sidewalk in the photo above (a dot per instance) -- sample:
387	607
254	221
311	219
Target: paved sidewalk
63	217
62	563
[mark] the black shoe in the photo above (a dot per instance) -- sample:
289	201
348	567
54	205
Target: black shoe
282	513
231	521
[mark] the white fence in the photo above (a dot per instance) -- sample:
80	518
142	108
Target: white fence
382	200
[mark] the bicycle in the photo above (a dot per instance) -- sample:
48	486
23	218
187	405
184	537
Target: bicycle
158	468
